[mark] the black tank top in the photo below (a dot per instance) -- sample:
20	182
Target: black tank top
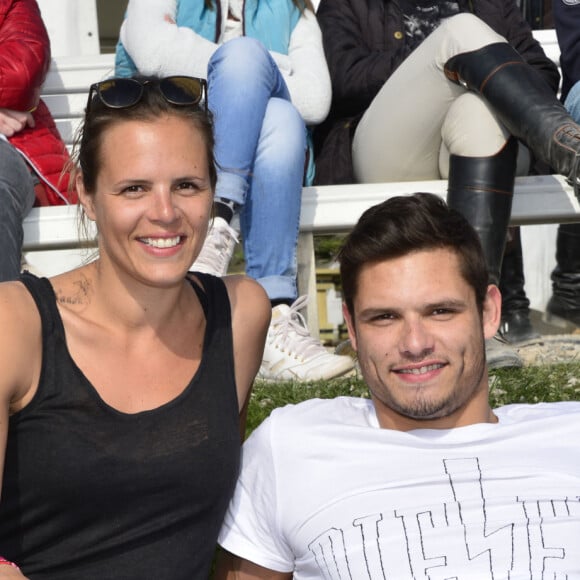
93	493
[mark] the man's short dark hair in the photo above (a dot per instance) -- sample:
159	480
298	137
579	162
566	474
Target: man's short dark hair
411	223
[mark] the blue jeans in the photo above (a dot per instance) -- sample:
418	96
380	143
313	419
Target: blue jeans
16	199
572	102
260	150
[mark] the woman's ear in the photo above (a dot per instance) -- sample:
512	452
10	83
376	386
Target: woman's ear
86	200
491	311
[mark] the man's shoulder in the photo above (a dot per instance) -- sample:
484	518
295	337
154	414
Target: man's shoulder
315	415
537	411
335	410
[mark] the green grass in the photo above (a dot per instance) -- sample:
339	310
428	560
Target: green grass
526	385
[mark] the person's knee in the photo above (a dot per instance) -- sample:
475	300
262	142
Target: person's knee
16	184
12	164
239	56
468	31
471	128
281	152
458	23
284	127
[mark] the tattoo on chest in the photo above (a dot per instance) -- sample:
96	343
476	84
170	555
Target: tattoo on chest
80	294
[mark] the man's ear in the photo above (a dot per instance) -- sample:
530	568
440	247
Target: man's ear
86	200
491	311
349	325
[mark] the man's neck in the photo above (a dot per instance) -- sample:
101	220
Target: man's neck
477	411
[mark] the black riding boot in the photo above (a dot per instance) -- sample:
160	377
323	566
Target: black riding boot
516	326
481	188
524	103
565	300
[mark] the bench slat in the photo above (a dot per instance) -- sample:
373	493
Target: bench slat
62	105
335	208
537	199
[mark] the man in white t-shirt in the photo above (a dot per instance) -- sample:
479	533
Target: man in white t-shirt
424	480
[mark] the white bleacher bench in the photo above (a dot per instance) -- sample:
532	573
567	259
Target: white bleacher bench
51	233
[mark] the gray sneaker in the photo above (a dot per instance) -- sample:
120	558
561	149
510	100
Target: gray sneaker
500	354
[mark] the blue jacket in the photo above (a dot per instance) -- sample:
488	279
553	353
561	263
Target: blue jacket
567	24
269	21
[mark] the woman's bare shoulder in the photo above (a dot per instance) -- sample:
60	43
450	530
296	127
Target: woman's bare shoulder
20	339
247	296
17	307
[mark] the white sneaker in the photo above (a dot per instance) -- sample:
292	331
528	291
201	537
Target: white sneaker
217	250
291	354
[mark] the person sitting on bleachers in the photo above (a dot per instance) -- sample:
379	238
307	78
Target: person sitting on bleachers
33	156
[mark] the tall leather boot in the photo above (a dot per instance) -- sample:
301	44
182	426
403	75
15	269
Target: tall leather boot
565	300
481	188
516	326
524	103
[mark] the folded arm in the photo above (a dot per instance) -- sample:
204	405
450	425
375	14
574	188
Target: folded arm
305	70
158	46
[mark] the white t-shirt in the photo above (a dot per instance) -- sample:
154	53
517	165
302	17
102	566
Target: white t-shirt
326	493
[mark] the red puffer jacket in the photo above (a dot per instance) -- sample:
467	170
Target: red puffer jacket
24	62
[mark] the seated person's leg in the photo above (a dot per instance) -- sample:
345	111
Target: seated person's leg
481	166
516	325
399	136
565	300
270	221
472	130
572	102
242	77
270	218
524	103
403	142
16	199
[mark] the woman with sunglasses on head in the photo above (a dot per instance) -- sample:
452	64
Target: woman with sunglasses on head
124	382
268	80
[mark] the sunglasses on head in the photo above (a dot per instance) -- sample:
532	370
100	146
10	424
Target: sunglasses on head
122	93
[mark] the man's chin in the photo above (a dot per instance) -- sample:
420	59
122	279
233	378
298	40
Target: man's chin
427	410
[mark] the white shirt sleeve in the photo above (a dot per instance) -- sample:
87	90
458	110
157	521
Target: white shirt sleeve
250	529
160	47
305	70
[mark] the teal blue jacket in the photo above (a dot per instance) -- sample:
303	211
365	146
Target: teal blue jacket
269	21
